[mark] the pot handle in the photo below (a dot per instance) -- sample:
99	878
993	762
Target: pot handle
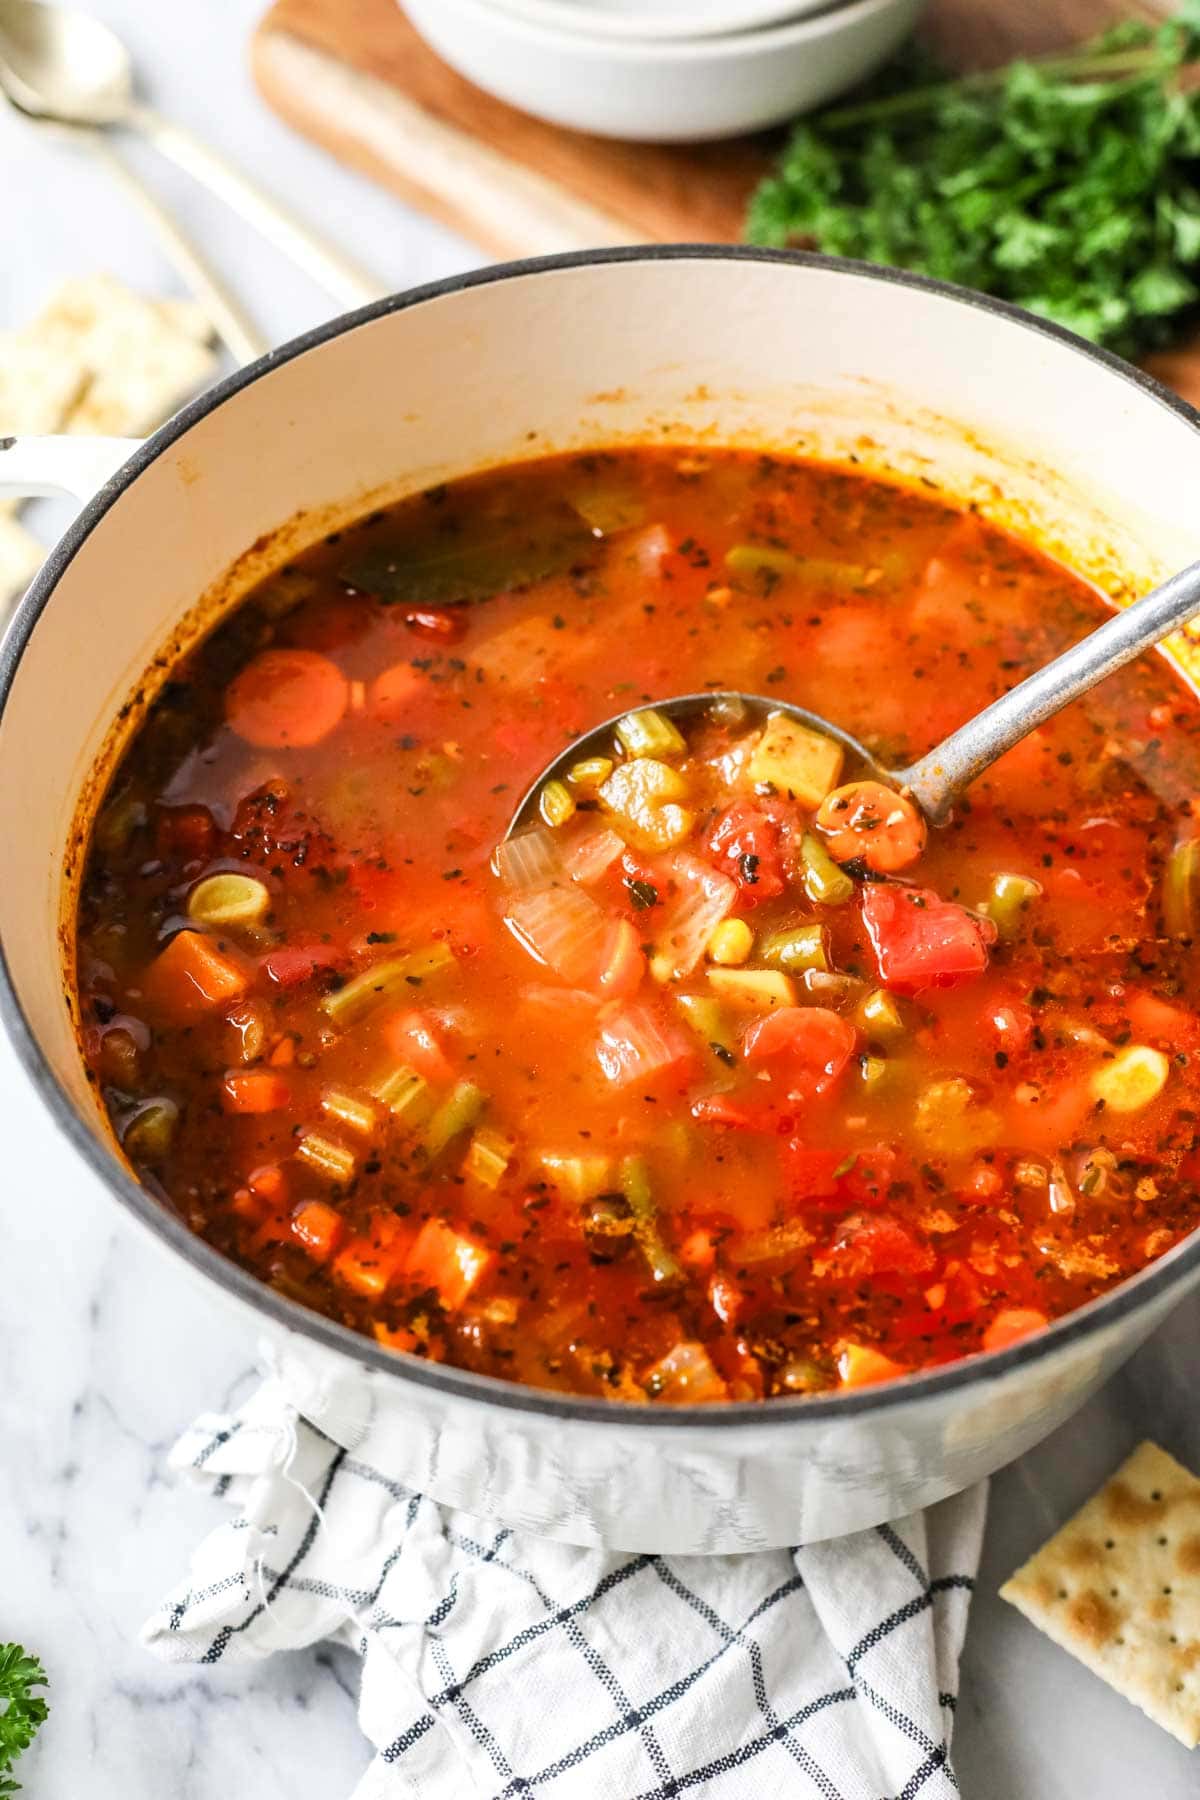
34	468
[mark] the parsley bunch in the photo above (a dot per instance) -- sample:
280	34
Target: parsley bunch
1068	184
21	1711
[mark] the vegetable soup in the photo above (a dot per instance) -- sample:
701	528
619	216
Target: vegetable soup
722	1078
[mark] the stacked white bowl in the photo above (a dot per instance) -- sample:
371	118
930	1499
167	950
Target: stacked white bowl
665	71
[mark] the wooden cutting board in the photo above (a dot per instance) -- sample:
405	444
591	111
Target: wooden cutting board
354	75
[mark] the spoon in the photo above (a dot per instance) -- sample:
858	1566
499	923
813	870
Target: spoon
62	67
936	780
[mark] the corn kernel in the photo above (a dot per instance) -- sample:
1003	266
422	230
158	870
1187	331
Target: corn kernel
1133	1078
730	942
556	803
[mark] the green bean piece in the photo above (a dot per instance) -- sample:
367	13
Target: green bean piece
804	947
1008	899
824	882
635	1185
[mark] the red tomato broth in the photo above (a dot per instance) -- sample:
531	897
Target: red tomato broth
929	1191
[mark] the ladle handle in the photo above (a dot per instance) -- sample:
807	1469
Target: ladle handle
938	778
328	266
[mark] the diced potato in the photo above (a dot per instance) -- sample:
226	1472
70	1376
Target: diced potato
579	1177
760	990
643	796
796	761
1134	1077
880	1016
949	1117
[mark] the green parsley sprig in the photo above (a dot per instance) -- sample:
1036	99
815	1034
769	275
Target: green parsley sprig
21	1710
1069	184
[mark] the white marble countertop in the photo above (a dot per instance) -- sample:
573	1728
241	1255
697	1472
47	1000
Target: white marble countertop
95	1381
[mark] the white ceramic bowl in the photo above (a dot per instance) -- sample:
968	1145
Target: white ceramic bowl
633	19
684	345
665	91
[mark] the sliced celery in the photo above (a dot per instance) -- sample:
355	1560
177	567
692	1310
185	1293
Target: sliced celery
348	1110
815	571
635	1185
327	1158
804	947
824	882
405	1094
556	803
650	733
579	1178
590	771
488	1156
457	1113
384	981
1008	898
1181	890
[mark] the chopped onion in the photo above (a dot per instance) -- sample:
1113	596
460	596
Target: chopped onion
702	898
563	928
590	856
636	1044
528	861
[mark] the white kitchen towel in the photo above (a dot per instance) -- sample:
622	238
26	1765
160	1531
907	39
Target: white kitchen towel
497	1665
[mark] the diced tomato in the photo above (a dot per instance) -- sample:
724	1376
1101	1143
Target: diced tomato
188	832
745	843
877	1244
810	1174
269	1182
1157	1022
871	1174
1011	1023
697	1250
1011	1324
922	941
446	1260
416	1040
291	965
861	1365
743	1113
806	1048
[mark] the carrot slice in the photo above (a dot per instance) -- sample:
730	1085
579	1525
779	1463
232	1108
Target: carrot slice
318	1229
1011	1324
191	976
254	1091
865	819
444	1259
861	1364
391	691
287	697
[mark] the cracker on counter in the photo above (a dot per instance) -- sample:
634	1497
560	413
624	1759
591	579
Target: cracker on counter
144	359
1119	1587
40	384
21	556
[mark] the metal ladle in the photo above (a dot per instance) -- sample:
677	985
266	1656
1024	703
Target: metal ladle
63	68
936	780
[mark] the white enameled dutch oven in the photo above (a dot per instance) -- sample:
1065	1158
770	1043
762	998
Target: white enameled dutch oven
719	345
